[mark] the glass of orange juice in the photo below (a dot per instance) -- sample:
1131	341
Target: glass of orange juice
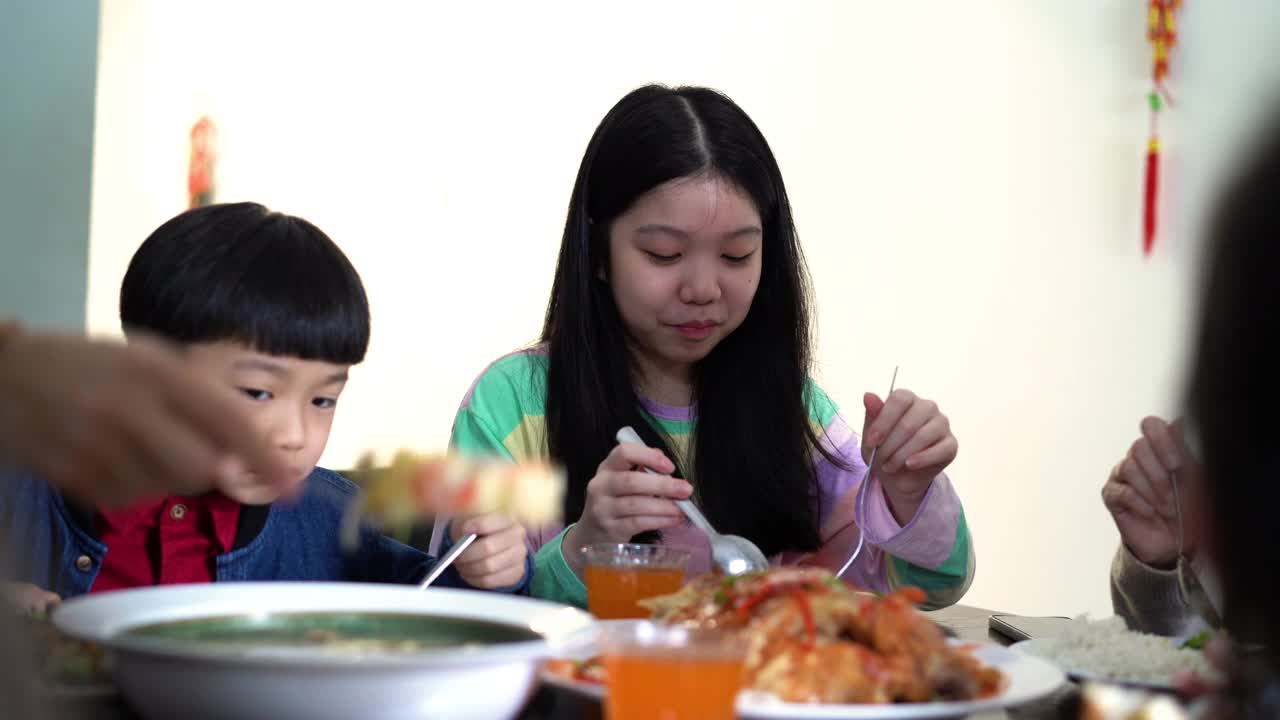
670	672
619	575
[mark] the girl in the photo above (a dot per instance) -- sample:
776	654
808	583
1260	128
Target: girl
680	307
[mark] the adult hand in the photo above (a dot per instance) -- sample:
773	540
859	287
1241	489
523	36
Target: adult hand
111	423
1139	493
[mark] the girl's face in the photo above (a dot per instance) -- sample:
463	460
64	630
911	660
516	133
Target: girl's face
684	267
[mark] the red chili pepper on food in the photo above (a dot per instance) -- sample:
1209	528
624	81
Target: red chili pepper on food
806	612
756	598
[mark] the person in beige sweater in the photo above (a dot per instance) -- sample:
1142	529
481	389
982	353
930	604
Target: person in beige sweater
1159	580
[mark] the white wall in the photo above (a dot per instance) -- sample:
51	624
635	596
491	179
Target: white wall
966	179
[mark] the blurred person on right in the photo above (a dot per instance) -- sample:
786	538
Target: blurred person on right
1232	399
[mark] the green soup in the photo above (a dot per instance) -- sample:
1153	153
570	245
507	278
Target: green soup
333	631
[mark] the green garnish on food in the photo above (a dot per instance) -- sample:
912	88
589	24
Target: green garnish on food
64	661
1197	642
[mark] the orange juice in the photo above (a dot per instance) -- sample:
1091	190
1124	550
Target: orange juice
614	592
652	684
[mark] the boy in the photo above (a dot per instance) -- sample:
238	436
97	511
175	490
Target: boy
266	305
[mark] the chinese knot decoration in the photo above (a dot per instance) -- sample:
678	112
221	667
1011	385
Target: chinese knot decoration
1162	33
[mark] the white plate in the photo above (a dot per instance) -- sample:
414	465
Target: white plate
1028	678
1031	649
190	681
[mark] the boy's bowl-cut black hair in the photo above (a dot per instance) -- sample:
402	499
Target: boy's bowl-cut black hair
239	271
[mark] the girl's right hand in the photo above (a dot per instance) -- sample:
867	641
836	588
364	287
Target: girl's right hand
623	500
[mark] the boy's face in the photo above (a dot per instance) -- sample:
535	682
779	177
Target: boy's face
292	401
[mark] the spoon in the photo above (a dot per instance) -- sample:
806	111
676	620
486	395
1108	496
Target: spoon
443	563
863	492
734	555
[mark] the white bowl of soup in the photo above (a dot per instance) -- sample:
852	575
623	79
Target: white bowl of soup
322	650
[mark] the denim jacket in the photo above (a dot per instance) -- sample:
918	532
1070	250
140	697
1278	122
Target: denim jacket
51	542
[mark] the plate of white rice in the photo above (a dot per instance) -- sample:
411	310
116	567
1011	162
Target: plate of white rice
1106	651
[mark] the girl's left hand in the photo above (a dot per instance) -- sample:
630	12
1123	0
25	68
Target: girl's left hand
915	445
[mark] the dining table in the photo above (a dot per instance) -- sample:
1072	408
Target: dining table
967	623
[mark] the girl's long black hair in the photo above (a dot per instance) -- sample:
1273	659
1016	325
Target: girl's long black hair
753	443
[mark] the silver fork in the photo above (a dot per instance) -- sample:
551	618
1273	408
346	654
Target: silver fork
861	511
1188	584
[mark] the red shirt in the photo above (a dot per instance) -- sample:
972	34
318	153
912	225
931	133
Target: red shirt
164	542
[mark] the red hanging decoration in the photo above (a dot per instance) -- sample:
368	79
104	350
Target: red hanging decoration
1162	33
200	166
1149	198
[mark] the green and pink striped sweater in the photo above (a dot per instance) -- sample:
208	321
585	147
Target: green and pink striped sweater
502	415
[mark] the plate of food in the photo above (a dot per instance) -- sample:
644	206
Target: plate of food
818	650
1106	651
321	650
